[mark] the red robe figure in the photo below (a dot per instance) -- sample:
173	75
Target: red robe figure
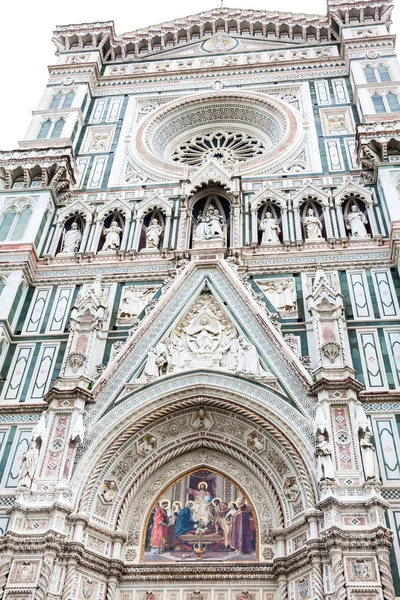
240	537
159	531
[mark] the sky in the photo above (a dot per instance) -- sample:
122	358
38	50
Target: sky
26	47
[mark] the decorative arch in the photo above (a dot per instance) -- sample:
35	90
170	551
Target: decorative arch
115	207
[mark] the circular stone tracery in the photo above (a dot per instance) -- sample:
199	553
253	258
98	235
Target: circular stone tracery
253	129
226	147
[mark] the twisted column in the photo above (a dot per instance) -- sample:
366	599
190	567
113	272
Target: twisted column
44	578
4	571
111	589
318	584
282	589
386	575
69	582
338	575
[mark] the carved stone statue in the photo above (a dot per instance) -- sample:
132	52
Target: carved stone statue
324	456
255	441
72	240
202	421
355	221
39	431
249	361
147	444
368	453
109	491
29	461
291	488
281	293
270	228
113	237
77	428
312	226
153	234
210	226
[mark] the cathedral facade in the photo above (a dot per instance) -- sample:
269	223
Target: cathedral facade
199	313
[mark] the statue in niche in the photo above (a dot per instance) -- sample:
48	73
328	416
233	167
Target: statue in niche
369	460
29	461
153	234
202	421
270	228
147	444
356	221
255	441
113	237
109	491
72	240
291	488
312	225
324	458
210	226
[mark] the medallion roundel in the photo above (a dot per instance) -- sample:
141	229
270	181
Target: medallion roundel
202	516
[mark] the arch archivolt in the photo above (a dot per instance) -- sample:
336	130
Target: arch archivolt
225	446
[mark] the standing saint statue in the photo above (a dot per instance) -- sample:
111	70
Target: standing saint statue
324	456
312	225
113	237
368	454
72	240
270	228
355	221
28	466
153	234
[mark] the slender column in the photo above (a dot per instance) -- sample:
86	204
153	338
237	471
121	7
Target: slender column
69	581
4	571
285	225
96	236
167	232
45	575
338	575
125	233
297	224
136	238
85	236
318	584
132	232
372	220
56	238
328	224
254	232
340	221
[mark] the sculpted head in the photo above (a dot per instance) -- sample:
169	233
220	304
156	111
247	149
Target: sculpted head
74	226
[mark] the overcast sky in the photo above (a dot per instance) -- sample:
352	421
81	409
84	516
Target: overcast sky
26	47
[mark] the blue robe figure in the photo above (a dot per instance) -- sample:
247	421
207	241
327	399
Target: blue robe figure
183	522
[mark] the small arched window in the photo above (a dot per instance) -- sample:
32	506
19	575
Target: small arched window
55	103
21	223
44	130
378	104
13	224
68	100
384	74
57	129
393	101
370	75
6	223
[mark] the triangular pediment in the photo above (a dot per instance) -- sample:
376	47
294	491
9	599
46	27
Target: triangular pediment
240	316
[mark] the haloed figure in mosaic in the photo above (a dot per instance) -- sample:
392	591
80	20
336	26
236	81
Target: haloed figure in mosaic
192	519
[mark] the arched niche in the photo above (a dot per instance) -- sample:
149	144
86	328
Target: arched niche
203	514
355	216
311	212
111	232
70	242
211	218
269	219
160	224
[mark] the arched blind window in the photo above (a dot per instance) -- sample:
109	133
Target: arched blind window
68	100
21	223
370	75
393	102
55	103
384	73
378	103
6	223
57	129
44	130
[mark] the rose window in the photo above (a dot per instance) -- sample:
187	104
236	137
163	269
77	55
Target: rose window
224	146
258	132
